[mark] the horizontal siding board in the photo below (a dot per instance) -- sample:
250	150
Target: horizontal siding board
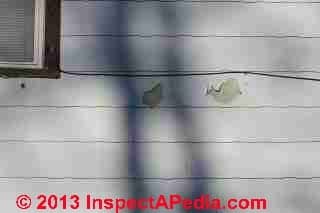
89	54
72	124
69	90
69	160
221	125
97	160
284	197
85	17
110	92
221	18
195	54
233	160
63	160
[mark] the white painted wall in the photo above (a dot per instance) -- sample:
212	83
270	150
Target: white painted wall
76	127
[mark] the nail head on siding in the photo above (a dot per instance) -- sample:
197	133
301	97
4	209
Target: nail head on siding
22	85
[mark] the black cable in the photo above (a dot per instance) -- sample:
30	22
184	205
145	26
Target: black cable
207	1
137	35
126	75
158	179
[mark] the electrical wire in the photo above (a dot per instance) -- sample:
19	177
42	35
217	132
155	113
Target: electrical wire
193	74
158	179
137	35
207	1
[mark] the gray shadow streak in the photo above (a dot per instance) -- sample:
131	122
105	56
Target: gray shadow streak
184	117
137	187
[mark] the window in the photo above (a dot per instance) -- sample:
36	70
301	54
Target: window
30	38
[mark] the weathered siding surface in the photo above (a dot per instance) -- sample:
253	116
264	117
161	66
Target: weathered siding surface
76	127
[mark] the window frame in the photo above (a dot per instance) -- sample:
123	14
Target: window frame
46	62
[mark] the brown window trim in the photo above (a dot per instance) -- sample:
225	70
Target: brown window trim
52	48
